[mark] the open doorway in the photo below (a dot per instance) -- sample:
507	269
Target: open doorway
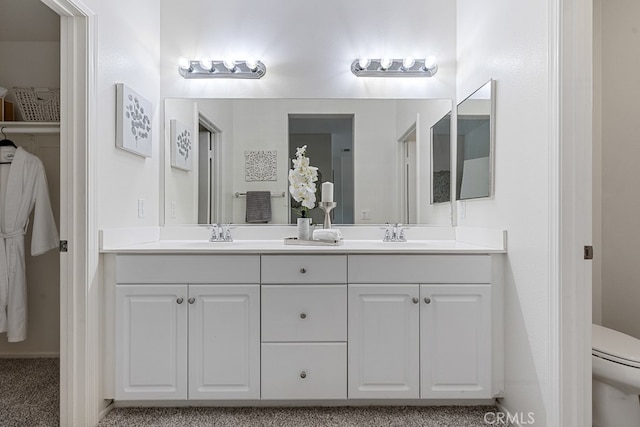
329	141
409	195
30	33
209	172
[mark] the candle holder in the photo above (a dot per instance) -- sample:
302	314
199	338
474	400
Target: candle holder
327	207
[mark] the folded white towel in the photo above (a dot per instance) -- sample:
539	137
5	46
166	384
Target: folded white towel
327	234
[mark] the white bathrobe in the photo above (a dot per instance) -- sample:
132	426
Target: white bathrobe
24	188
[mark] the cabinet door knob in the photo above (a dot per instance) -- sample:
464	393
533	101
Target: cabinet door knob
303	375
303	315
303	270
191	300
179	300
427	300
415	300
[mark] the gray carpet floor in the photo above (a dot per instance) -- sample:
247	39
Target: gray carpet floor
442	416
29	392
29	397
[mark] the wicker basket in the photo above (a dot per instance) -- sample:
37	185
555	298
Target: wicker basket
40	104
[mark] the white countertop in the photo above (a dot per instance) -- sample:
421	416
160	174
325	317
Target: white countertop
278	246
454	241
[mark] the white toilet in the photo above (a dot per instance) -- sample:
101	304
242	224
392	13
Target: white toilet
616	378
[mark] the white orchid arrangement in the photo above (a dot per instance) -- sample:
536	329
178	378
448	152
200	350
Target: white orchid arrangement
302	180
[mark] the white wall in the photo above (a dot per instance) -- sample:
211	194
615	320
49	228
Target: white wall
620	172
308	47
509	41
128	52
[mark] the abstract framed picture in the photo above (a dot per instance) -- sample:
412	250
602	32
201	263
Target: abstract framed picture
133	121
181	145
260	165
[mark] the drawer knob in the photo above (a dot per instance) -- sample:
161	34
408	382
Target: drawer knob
427	300
303	270
179	300
303	315
191	300
303	375
415	300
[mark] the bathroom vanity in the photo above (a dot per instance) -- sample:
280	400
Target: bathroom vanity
258	322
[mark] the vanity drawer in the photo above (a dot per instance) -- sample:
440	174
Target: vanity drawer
301	371
304	313
226	269
420	269
304	269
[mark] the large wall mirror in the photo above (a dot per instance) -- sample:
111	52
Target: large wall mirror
475	144
376	151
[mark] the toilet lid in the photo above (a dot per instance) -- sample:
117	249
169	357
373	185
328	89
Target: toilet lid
615	346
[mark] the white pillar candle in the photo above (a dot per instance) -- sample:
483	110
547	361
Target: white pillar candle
327	192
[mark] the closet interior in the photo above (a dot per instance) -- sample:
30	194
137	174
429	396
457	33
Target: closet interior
30	58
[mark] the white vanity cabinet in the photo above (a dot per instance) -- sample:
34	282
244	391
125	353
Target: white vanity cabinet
187	327
420	326
304	327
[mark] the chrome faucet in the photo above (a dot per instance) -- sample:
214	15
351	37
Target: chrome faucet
394	233
221	233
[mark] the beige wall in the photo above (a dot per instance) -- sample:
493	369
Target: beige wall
620	165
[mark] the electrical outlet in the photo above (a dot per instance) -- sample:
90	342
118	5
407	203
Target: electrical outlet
365	214
140	208
174	215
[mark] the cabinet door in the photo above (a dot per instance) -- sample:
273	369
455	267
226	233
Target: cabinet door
455	328
383	341
224	341
151	342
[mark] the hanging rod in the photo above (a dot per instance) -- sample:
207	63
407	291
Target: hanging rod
283	194
32	128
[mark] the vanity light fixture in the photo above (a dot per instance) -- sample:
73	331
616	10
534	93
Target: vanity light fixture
227	68
407	67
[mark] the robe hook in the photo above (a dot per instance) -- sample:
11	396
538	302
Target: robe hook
4	135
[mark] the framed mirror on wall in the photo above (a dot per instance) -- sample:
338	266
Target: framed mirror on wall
475	144
353	141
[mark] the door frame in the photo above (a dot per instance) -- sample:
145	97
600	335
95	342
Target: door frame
79	383
570	211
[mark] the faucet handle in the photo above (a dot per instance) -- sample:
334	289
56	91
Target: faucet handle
226	232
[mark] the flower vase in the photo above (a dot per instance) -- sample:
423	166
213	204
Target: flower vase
304	228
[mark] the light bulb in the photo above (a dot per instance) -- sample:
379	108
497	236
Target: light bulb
385	63
408	62
230	64
430	63
363	63
252	64
184	63
207	64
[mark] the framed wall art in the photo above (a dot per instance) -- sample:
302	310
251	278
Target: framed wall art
260	165
181	145
133	121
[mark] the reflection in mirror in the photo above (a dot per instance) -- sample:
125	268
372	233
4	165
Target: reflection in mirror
329	141
441	160
248	149
476	115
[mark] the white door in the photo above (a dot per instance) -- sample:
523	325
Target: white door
151	342
455	341
383	341
224	341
